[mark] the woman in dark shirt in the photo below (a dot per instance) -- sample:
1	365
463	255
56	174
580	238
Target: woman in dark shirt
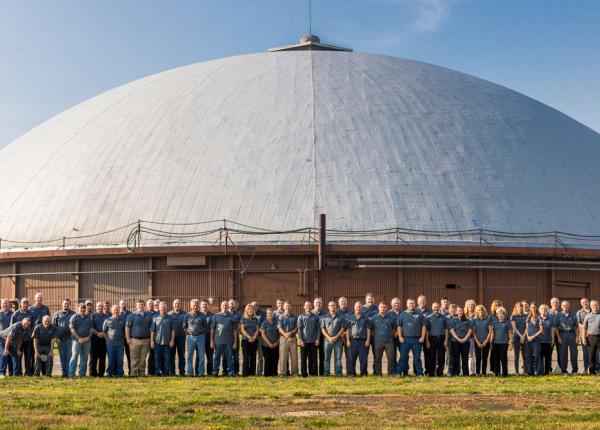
460	331
518	322
546	322
533	346
482	333
501	333
249	328
270	343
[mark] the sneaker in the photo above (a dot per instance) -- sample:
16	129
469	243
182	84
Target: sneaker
557	371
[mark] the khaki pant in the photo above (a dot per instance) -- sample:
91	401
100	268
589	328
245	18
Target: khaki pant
138	350
288	348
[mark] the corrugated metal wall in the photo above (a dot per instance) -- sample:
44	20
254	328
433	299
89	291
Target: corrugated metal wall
186	286
114	286
54	287
7	287
432	283
354	284
511	286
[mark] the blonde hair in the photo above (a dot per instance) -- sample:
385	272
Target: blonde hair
543	306
468	304
501	310
496	303
481	308
515	312
246	316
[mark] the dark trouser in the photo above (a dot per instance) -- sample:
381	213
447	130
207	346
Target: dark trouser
460	358
555	346
308	359
128	357
593	346
179	349
568	346
249	353
28	357
162	360
500	356
97	356
373	353
236	361
271	356
223	351
435	357
545	364
321	355
390	352
4	360
519	348
360	351
150	362
346	352
44	367
209	356
481	359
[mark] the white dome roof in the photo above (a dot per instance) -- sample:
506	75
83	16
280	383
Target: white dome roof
271	140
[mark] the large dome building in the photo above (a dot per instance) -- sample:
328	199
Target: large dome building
209	181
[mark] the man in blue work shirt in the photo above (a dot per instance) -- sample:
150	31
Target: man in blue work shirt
309	328
234	310
61	320
591	332
80	325
27	344
261	315
11	338
288	345
195	326
411	334
114	333
43	335
208	349
177	314
320	313
5	316
152	311
370	309
358	339
124	314
223	337
162	338
98	342
38	310
437	341
333	327
137	333
567	329
581	313
383	325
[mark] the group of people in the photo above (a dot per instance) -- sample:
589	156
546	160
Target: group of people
198	342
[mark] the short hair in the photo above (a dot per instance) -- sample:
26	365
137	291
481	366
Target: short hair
501	310
369	295
444	298
287	302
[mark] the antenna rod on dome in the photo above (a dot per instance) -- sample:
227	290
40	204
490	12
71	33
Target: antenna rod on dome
309	17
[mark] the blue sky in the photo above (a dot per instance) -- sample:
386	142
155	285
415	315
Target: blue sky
55	54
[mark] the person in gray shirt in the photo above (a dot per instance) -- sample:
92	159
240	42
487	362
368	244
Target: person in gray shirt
5	316
195	326
346	313
38	310
358	340
482	337
61	321
177	314
436	339
223	338
137	333
591	333
43	335
124	314
332	327
11	338
80	325
581	313
566	329
309	327
162	338
27	344
383	326
114	333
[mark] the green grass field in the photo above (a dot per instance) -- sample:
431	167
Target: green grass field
515	402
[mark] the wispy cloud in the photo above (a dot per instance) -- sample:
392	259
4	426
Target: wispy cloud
430	15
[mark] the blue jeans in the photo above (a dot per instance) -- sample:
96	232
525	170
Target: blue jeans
4	360
64	352
223	350
115	359
179	348
162	360
410	344
195	344
336	347
360	351
81	352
